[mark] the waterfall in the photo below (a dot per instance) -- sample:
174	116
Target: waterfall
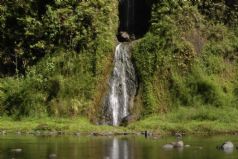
123	82
122	85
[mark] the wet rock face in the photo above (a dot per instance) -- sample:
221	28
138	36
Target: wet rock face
231	3
134	18
127	15
122	88
125	37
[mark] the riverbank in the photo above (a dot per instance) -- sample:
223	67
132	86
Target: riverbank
195	120
77	125
200	121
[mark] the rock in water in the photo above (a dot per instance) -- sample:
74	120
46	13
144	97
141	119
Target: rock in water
18	150
179	144
52	156
226	145
168	146
187	146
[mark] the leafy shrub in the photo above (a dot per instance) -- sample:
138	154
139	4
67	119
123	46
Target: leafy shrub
188	66
29	30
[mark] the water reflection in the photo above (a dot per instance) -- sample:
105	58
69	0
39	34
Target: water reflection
179	149
118	149
111	148
228	151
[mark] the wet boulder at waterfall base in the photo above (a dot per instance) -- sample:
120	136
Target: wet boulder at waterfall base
126	120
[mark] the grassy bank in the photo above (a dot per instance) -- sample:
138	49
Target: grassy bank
66	125
198	121
202	120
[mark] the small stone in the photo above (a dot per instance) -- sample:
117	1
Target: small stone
52	156
18	133
125	36
187	146
53	133
37	133
61	133
168	146
97	134
3	132
179	144
77	134
18	150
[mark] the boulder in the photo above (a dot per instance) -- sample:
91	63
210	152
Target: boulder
178	144
126	120
226	145
168	146
123	36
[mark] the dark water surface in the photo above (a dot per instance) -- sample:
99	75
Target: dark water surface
130	147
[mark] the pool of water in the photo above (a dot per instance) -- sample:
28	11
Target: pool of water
126	147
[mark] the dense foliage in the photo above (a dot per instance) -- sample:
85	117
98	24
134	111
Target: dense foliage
31	29
189	56
58	52
56	55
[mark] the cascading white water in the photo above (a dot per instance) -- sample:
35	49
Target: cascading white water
122	86
119	78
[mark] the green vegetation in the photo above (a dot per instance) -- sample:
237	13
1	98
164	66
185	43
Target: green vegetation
55	57
193	58
192	120
32	29
65	125
187	64
58	55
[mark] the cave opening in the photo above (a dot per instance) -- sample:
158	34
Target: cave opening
134	16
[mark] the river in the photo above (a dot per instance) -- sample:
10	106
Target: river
125	147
